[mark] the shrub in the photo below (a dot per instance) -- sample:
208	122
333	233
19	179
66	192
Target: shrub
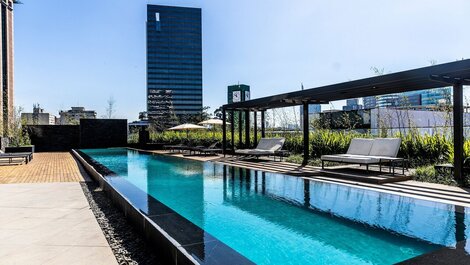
429	174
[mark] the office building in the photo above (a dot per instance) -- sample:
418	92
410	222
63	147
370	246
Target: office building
352	104
37	117
73	116
421	98
436	97
174	63
369	102
6	69
313	113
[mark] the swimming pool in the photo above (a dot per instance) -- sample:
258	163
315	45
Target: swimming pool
278	219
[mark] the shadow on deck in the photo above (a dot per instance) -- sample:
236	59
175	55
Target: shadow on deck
354	173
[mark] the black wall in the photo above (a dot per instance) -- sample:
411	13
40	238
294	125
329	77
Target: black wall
54	137
91	133
102	133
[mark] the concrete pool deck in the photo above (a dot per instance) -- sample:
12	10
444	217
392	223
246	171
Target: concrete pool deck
48	223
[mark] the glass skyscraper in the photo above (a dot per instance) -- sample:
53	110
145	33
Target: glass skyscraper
174	63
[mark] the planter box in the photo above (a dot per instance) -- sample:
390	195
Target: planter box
20	149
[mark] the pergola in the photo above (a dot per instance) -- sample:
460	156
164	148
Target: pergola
455	74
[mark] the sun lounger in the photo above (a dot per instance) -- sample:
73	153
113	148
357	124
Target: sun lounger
179	147
212	149
15	158
265	147
368	151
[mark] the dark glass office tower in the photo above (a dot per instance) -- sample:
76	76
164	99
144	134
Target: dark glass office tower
174	63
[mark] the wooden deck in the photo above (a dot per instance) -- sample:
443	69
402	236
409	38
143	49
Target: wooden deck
45	167
342	172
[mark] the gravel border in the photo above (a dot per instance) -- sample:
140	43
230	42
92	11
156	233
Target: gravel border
128	246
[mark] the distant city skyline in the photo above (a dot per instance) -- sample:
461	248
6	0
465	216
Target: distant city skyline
80	53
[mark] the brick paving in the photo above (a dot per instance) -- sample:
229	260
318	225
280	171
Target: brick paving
45	167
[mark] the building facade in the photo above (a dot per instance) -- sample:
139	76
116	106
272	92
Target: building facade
352	104
314	111
369	102
6	69
73	116
421	98
37	117
174	62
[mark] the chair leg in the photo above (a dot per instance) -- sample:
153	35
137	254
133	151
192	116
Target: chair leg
322	164
367	168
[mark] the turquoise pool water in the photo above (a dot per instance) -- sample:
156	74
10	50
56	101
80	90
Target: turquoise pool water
278	219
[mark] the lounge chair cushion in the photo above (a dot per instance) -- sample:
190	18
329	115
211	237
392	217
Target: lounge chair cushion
360	146
334	158
360	159
272	144
355	159
387	147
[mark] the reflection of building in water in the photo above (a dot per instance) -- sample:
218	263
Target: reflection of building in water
383	212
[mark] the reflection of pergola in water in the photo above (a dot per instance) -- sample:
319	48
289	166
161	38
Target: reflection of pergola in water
253	183
456	74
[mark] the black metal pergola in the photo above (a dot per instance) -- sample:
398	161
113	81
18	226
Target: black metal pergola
455	74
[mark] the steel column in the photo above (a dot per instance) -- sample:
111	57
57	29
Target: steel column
306	127
255	128
247	128
232	130
224	131
240	129
263	129
458	132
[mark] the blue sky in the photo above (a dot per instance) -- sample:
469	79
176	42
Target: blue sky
70	53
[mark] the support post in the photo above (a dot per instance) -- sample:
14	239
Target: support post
232	130
224	131
247	128
255	129
240	129
263	124
458	132
306	128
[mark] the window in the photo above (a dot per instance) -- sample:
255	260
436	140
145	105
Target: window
157	21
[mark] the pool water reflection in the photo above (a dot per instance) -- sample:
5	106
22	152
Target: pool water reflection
278	219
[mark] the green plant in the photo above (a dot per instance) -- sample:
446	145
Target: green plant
16	133
430	174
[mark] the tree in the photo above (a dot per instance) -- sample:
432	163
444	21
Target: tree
17	136
218	113
110	109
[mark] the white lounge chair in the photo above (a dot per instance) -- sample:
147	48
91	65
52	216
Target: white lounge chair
266	146
369	151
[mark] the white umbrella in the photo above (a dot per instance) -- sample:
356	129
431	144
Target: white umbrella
213	122
187	127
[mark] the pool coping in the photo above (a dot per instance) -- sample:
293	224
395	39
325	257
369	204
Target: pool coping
152	227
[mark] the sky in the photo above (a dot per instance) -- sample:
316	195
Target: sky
82	52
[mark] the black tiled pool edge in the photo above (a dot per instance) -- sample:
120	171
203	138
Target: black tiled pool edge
174	238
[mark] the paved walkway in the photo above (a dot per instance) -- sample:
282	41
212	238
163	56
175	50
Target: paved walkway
48	223
45	167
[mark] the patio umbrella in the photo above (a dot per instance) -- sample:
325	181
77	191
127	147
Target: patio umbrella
213	122
187	127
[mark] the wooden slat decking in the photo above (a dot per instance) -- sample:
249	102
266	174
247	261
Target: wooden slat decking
45	167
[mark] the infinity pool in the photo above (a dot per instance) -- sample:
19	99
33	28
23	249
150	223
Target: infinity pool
278	219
